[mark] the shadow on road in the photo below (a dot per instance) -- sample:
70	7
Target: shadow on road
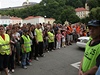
80	49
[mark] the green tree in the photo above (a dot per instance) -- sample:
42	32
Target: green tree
93	3
75	3
73	18
85	20
95	13
69	15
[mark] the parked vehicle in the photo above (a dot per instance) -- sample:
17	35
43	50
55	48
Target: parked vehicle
81	42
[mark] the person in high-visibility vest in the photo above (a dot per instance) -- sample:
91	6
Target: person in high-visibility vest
50	40
39	42
88	64
5	50
26	49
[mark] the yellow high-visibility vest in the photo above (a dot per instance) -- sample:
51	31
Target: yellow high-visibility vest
27	43
39	35
51	37
5	45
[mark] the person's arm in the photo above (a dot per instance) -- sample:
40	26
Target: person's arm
93	70
10	47
22	44
35	37
98	61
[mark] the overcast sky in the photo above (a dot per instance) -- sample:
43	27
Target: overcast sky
14	3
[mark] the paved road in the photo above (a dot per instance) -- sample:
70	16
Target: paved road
57	62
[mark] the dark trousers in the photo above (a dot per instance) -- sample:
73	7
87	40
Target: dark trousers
51	46
55	40
39	49
32	52
11	61
4	61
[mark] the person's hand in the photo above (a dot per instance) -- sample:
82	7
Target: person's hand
24	51
80	72
37	42
12	42
10	52
86	74
15	37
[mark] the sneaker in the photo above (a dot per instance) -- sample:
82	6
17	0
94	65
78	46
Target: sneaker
24	67
37	58
9	74
48	51
29	64
42	55
12	70
8	70
52	50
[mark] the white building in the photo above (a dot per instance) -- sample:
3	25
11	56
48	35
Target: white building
49	20
16	20
34	20
38	19
82	12
5	20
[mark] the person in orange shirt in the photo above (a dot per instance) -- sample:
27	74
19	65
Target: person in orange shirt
69	35
78	30
84	33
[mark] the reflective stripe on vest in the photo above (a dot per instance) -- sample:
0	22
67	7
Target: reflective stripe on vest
4	44
26	45
4	50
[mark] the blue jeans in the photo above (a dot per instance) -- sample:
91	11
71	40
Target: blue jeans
25	59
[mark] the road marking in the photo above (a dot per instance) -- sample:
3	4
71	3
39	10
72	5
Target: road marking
76	65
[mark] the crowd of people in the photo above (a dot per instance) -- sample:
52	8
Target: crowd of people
20	45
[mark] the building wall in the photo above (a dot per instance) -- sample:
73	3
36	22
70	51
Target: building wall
34	20
5	21
41	20
16	21
82	14
50	21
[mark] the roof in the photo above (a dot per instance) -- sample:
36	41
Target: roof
50	18
38	17
30	3
15	18
80	9
20	7
29	17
